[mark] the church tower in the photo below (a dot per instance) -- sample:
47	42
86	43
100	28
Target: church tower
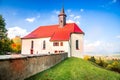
62	18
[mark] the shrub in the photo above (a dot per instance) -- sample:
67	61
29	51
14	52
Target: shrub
92	59
114	66
109	67
86	57
101	62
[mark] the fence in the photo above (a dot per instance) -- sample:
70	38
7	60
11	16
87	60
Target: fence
19	68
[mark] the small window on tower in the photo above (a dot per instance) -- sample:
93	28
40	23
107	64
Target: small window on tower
61	21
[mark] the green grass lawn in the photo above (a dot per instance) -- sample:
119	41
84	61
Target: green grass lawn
76	69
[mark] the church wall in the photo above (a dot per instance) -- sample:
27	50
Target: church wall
38	46
76	52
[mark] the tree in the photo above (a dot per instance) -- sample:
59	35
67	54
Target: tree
3	30
5	42
16	45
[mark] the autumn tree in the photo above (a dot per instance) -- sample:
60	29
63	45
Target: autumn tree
16	45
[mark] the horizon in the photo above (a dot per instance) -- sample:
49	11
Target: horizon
99	20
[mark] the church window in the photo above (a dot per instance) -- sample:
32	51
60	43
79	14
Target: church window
61	43
44	45
55	43
77	44
32	44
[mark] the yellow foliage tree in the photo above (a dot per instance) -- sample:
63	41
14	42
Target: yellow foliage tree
16	46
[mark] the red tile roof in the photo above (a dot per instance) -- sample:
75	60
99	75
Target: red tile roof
55	32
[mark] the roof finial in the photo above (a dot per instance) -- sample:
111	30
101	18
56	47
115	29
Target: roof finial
62	11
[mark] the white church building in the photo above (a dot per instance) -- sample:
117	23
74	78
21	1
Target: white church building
54	39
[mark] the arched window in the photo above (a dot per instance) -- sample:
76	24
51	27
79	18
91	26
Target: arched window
44	44
32	44
77	44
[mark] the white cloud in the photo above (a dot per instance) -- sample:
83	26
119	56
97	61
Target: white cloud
69	10
71	15
38	16
81	10
109	4
56	12
16	31
114	1
77	17
30	19
118	36
101	47
70	21
74	18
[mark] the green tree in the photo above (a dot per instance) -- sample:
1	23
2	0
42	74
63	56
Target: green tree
5	42
3	30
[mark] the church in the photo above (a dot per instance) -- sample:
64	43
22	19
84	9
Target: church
54	39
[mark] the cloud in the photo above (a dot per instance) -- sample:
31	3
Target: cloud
118	36
70	21
56	12
73	17
38	16
69	10
81	10
30	19
77	17
101	47
114	1
16	31
109	4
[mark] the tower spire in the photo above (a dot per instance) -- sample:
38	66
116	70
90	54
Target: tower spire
62	18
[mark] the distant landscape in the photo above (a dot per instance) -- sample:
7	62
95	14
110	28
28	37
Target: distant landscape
116	54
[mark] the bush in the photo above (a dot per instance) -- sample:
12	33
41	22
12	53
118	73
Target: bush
101	62
92	59
86	57
114	66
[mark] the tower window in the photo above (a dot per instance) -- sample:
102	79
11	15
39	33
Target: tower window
61	21
44	45
77	45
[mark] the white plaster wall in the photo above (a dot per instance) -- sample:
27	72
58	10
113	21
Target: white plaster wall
64	48
38	46
74	52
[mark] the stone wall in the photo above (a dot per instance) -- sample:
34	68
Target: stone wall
19	68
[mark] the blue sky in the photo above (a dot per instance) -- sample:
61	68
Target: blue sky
99	19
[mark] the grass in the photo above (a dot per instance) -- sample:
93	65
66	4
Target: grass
75	69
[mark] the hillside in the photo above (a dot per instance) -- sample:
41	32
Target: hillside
75	69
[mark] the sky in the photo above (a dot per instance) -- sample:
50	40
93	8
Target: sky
99	19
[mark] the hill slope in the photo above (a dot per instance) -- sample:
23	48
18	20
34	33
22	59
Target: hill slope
75	69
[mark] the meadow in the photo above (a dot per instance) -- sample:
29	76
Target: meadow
76	69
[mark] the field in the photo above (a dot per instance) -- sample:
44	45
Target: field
76	69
